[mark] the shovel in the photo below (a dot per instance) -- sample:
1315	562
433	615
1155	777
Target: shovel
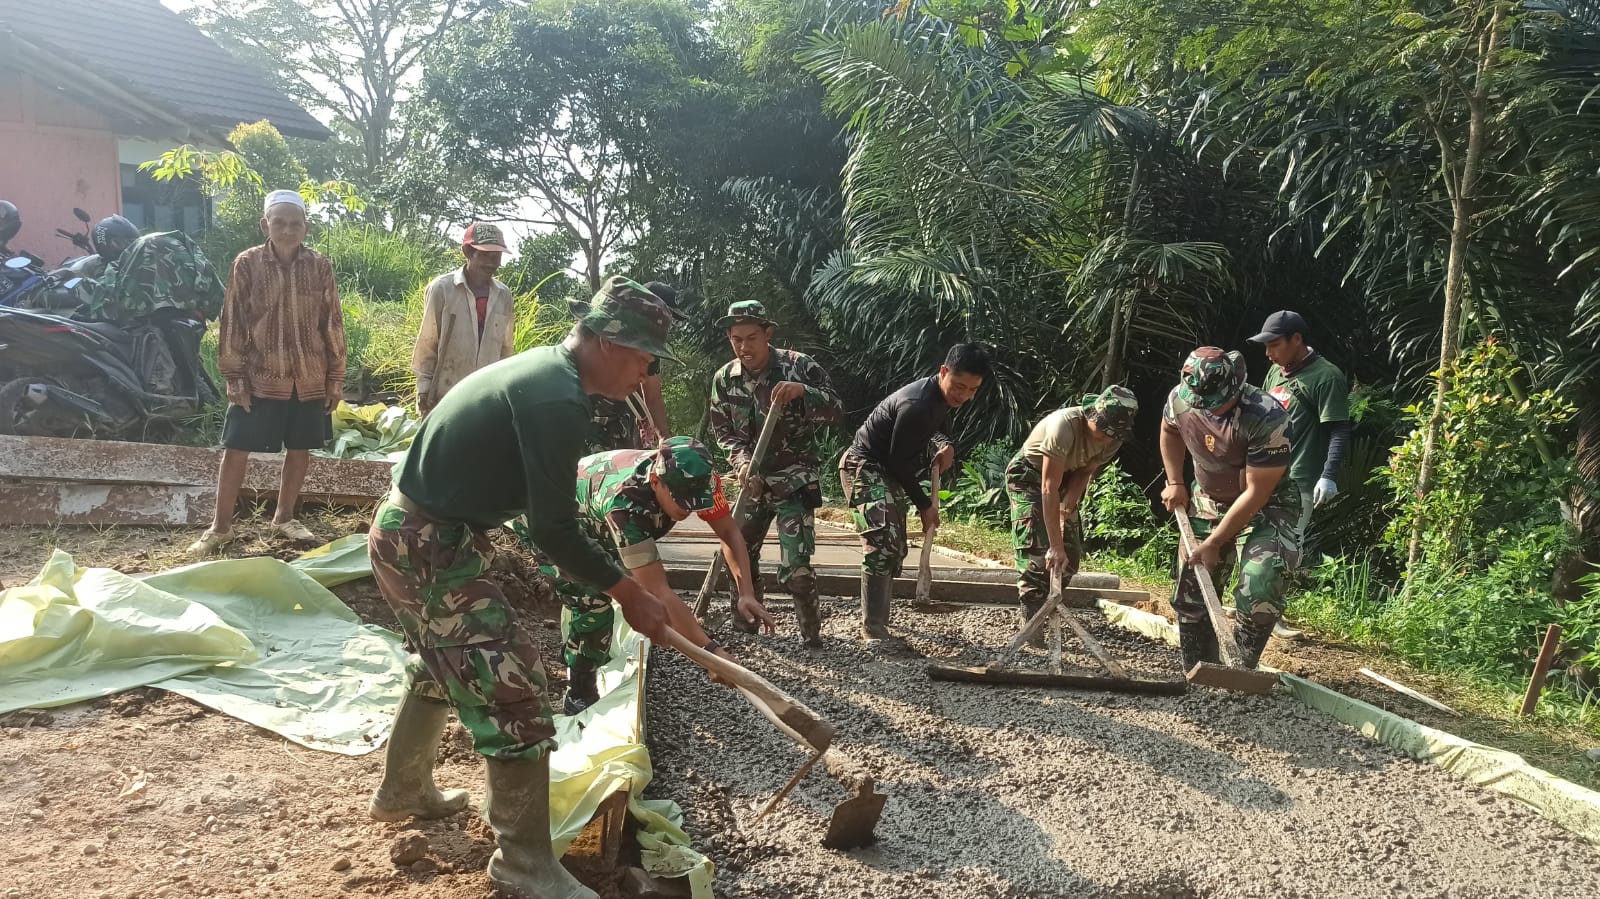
703	602
855	819
1229	675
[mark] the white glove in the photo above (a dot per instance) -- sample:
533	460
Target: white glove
1325	490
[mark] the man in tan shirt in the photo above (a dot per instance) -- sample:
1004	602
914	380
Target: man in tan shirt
468	318
1047	479
281	351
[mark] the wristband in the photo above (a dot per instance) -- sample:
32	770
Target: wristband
712	647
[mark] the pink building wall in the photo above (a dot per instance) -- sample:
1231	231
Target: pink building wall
54	154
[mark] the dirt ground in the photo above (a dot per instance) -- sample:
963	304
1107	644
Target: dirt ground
1004	793
1010	792
147	794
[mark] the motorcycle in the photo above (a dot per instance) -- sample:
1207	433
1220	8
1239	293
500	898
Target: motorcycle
26	284
66	378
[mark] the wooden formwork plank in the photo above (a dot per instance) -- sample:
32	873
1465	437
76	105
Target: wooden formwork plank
847	582
52	503
118	462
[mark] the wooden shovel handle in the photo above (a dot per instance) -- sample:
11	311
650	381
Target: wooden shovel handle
789	714
925	568
702	602
1228	649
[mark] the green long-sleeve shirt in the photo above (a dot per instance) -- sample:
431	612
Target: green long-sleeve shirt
504	442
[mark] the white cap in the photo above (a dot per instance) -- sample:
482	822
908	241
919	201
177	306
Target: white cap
292	197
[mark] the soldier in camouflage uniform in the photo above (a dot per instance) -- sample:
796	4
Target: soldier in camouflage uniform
626	424
1239	439
627	500
503	442
159	271
1047	479
785	486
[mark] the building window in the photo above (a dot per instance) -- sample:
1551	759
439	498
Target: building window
163	206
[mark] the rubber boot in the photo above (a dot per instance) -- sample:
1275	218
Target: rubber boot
582	689
1198	643
407	790
807	612
759	589
518	810
1252	637
876	590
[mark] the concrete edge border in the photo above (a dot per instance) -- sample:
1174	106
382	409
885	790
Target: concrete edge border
1562	802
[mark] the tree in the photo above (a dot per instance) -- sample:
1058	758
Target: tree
351	59
555	102
1421	142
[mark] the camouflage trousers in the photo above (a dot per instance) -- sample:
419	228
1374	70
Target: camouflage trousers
878	505
1270	547
612	426
1029	537
467	646
797	533
587	622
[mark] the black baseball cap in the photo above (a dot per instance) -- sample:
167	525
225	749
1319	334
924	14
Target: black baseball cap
1281	324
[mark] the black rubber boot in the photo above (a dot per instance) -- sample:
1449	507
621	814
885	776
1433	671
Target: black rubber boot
1198	642
1252	637
518	810
407	790
807	611
583	690
876	590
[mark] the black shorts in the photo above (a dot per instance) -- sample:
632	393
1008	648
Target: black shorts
275	425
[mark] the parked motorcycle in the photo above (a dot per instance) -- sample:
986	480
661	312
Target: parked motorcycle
66	378
25	283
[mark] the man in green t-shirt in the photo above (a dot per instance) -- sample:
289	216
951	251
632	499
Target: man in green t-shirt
1316	395
1242	503
503	442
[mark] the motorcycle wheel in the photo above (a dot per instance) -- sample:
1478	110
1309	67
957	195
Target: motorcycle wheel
39	422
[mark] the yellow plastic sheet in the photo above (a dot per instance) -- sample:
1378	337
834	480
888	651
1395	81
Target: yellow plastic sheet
253	638
73	634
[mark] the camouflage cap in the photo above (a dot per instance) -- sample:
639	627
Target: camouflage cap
1211	378
745	312
624	313
1113	411
684	465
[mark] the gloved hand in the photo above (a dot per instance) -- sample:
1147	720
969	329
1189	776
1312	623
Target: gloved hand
1325	490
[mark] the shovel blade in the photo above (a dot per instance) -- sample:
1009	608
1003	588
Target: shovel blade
1239	680
855	820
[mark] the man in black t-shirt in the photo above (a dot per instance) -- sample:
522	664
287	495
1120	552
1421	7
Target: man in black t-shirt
883	468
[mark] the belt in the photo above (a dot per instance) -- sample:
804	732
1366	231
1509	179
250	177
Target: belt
405	503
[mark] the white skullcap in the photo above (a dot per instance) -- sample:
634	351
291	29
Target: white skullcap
292	197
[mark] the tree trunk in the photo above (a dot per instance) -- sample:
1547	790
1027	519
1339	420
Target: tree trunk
1463	206
1121	300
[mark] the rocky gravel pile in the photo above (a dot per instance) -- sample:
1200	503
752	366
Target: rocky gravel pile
1015	792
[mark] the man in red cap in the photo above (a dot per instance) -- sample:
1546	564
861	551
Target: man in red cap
468	318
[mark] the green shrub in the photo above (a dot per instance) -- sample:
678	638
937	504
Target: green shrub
1117	516
980	493
383	266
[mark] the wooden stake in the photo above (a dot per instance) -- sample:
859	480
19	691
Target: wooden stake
1541	668
1404	690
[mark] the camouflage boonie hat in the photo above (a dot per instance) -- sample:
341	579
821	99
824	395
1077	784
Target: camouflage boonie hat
684	465
1113	411
624	313
1211	378
745	312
